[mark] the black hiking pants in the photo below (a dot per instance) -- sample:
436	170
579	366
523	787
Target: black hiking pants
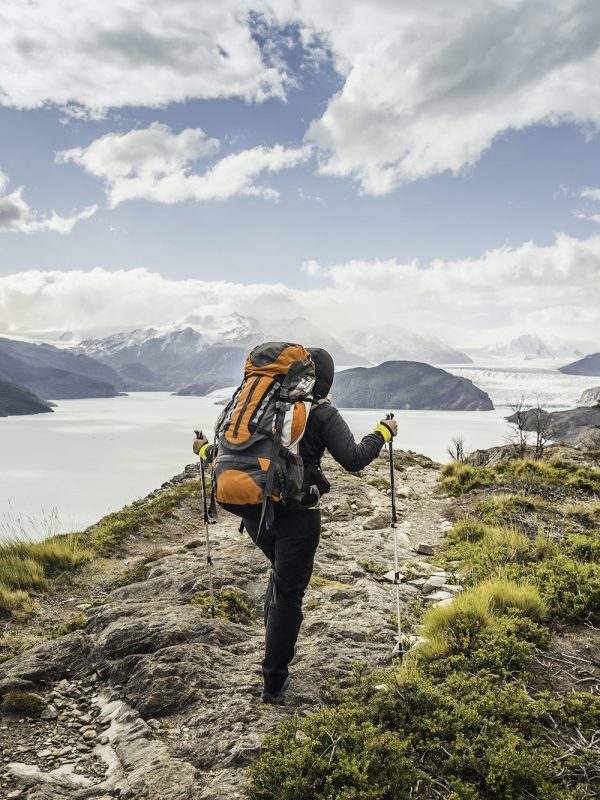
290	546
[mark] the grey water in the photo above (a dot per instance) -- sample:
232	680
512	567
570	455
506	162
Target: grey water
62	471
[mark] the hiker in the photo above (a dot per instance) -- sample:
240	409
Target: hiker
292	539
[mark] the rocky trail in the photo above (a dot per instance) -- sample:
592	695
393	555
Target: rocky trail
155	699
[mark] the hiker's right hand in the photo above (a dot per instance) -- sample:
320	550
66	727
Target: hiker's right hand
391	425
198	444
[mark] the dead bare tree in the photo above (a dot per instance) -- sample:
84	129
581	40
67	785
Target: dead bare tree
541	428
519	435
456	450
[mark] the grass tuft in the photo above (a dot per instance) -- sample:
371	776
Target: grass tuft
228	604
110	532
27	704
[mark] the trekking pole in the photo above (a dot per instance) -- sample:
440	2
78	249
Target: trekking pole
399	649
209	560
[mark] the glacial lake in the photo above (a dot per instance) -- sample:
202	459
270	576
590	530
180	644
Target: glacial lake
91	457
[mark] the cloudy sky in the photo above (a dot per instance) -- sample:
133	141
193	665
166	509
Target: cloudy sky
426	163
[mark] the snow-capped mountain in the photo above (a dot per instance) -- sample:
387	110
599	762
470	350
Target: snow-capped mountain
300	329
393	343
531	347
207	349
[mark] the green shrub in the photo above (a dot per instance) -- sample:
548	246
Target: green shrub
570	588
414	734
228	604
548	478
27	704
509	509
458	627
459	478
584	546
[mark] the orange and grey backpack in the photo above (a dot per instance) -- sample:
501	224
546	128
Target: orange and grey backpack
255	458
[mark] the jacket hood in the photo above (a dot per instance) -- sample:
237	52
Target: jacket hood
324	372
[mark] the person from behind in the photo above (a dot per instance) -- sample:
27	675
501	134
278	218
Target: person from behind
292	539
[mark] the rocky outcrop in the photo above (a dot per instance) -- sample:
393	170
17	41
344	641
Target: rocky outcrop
579	427
156	699
16	400
56	374
407	384
591	397
200	389
590	365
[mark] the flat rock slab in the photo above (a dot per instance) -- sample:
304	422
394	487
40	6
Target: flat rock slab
425	549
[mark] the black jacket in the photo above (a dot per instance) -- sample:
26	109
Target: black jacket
326	429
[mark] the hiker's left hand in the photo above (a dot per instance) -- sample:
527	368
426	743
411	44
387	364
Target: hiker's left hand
391	425
198	443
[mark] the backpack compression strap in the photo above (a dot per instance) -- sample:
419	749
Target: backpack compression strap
267	514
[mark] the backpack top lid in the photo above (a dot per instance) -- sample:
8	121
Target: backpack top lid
280	359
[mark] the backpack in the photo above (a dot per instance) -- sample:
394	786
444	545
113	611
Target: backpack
255	458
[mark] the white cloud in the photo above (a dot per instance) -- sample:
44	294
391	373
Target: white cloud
156	164
553	290
17	217
593	194
590	193
93	56
430	84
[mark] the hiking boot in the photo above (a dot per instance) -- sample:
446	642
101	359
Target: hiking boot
276	699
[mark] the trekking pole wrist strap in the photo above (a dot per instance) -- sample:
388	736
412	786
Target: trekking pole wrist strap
383	429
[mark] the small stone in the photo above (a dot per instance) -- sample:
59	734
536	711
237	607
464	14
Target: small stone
300	736
417	582
441	596
44	753
377	522
13	795
446	602
49	713
155	724
425	549
103	739
89	734
193	544
391	576
435	582
452	587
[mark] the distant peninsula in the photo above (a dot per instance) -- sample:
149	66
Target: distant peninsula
16	400
407	385
589	365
